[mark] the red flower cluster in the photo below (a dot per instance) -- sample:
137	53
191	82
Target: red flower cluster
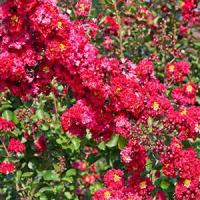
81	165
187	121
15	146
7	167
183	164
186	94
40	144
83	7
187	189
6	125
116	188
187	9
113	179
134	157
176	72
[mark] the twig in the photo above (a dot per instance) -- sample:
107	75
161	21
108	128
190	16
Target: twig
120	29
4	146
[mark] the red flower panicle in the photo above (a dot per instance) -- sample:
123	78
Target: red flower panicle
114	179
15	146
186	94
6	125
7	167
176	72
83	7
40	144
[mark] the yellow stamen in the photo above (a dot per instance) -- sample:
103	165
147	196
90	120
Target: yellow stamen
118	90
82	6
46	69
171	68
187	182
116	178
189	88
107	195
156	105
14	18
60	24
184	111
143	184
62	46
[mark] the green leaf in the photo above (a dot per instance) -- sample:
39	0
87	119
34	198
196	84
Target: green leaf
27	174
70	172
43	197
76	143
148	165
122	142
50	176
31	165
68	195
164	184
18	175
113	142
95	186
7	114
150	123
102	146
88	134
15	120
44	189
5	106
198	100
44	127
68	179
40	114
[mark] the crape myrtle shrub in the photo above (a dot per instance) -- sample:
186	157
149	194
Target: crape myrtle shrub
99	100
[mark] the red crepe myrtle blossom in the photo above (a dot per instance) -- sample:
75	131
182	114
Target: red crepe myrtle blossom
15	146
89	179
134	157
83	8
77	118
93	167
160	195
187	189
176	72
7	167
6	125
113	179
107	43
108	194
187	119
81	165
186	94
180	162
112	24
123	125
102	194
40	144
141	186
187	9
